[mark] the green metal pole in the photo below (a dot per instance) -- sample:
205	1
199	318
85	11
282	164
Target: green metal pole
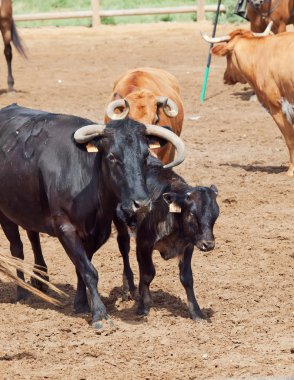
202	97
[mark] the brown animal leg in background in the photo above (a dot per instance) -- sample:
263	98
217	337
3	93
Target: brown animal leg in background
16	248
6	33
287	130
186	277
40	263
281	28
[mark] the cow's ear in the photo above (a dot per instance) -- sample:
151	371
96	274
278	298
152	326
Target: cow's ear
117	96
93	145
220	50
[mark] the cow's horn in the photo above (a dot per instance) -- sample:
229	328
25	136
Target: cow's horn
155	130
88	132
112	106
215	40
169	106
266	32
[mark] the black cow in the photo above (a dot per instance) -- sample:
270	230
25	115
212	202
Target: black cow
50	184
182	217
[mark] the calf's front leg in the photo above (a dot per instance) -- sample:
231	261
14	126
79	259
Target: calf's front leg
186	277
147	273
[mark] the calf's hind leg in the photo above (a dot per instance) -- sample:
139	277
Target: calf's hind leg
123	240
11	231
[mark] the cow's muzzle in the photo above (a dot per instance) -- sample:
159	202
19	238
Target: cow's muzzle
129	213
205	245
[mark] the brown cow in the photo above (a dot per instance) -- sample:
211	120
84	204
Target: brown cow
151	96
9	33
266	63
261	12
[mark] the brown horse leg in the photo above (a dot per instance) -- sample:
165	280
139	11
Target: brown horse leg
6	33
281	28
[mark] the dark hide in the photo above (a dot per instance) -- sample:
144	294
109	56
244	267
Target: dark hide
50	184
174	233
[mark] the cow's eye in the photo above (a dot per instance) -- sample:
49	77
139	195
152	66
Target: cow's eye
111	157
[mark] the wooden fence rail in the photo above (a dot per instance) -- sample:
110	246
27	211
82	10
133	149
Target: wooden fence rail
96	14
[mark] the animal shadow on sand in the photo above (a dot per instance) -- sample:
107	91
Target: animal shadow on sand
116	307
258	168
5	91
160	300
245	95
8	296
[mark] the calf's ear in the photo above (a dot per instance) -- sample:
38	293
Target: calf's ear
214	189
169	197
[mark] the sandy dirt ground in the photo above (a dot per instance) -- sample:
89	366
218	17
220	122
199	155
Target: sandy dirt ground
244	286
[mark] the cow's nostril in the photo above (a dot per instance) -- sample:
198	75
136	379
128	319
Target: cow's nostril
207	245
137	204
142	203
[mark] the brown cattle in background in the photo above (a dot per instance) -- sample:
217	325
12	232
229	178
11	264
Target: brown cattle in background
261	12
266	63
9	33
150	96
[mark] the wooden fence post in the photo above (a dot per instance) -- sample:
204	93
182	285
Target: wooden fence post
95	17
200	10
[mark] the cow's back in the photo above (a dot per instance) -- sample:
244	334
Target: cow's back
39	160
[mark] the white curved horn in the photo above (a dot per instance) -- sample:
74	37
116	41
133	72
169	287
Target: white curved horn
170	136
215	40
88	132
116	104
169	106
266	32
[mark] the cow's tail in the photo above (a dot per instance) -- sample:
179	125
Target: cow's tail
17	42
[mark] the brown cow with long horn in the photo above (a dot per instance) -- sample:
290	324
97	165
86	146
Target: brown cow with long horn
265	62
150	96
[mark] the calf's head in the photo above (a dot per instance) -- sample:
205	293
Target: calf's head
123	151
198	211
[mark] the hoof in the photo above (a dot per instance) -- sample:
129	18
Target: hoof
198	318
130	295
195	312
104	324
142	311
39	284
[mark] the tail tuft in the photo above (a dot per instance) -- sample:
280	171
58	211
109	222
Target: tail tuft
17	42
